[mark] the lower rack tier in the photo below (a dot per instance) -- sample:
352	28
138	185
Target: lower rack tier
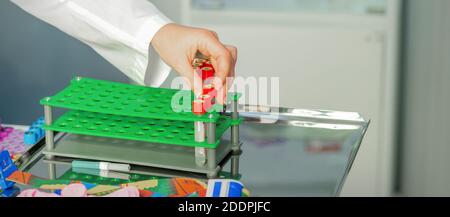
177	158
168	132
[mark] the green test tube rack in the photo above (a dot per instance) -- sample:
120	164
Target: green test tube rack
130	112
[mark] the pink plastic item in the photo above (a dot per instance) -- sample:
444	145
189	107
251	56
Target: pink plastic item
79	190
12	140
74	190
125	192
36	193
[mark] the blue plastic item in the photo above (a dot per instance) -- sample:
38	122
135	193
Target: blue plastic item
29	137
10	192
235	189
35	133
7	167
58	192
224	188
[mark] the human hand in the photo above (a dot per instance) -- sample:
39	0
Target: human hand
178	45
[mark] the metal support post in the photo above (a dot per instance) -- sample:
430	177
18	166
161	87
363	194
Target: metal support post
49	136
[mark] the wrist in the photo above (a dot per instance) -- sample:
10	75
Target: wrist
151	26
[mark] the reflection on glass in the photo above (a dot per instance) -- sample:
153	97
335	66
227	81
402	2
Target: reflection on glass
303	153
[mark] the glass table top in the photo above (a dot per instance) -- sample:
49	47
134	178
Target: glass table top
286	152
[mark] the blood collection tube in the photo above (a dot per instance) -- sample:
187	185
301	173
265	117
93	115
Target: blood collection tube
207	64
207	72
198	107
208	101
208	88
199	128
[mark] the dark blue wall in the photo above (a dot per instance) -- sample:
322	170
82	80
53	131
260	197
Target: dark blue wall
37	60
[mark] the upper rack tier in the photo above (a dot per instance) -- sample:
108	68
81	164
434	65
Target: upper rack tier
91	95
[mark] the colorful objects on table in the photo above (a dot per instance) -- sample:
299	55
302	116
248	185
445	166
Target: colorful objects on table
16	140
35	132
28	179
147	186
7	167
163	185
224	188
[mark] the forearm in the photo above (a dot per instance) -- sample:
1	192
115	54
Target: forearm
120	31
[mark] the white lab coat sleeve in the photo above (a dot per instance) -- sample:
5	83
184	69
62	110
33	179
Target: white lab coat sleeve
119	30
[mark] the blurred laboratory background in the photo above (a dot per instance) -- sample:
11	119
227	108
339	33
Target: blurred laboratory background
386	59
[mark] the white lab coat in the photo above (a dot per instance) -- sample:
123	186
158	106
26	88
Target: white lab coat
119	30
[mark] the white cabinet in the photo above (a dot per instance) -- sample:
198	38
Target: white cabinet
324	61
